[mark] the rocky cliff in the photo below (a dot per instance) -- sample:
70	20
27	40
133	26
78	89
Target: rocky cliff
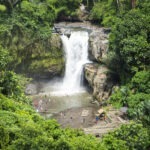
98	44
96	73
44	59
99	80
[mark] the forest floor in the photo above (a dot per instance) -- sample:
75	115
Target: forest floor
74	118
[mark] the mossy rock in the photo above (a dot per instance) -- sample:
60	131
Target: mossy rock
42	58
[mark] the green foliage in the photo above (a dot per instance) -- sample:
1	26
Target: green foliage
66	8
2	8
129	40
135	51
129	51
106	12
97	12
119	97
141	82
26	33
29	22
113	143
9	83
136	97
4	58
21	130
136	105
132	136
13	85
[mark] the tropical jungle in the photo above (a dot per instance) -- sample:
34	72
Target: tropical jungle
29	49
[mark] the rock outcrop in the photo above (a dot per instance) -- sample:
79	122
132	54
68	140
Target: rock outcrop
98	44
31	89
99	80
96	75
47	59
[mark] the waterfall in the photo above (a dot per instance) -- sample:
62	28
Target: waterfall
76	55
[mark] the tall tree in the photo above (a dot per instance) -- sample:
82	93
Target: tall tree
133	3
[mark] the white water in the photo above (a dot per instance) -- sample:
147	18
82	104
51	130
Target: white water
76	54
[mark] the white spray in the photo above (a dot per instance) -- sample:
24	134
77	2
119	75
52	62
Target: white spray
76	53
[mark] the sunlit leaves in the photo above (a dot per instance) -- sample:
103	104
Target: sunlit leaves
141	82
2	8
134	135
21	130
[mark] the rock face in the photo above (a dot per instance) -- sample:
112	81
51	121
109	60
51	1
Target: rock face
31	89
47	59
97	75
98	44
99	80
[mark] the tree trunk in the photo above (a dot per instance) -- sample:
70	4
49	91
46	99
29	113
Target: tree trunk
87	3
133	3
118	5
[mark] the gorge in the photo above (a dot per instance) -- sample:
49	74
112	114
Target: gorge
84	46
89	43
69	91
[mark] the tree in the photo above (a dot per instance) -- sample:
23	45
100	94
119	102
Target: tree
130	42
10	4
133	3
131	136
141	82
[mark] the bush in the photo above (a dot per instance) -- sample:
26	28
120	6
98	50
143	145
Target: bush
13	85
132	136
141	82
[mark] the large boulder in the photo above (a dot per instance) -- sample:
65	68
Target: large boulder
99	80
98	44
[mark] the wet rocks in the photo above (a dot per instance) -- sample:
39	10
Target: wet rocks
47	60
99	80
31	89
98	44
97	75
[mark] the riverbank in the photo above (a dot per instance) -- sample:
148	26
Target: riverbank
75	111
85	119
79	117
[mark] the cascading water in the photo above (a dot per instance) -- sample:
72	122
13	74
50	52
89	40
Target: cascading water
69	92
58	95
76	53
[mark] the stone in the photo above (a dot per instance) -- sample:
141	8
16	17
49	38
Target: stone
98	79
31	89
98	44
85	113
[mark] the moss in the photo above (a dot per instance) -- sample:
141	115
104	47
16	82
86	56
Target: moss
46	65
37	56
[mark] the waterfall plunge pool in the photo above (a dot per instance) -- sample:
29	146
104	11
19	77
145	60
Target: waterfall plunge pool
60	95
50	101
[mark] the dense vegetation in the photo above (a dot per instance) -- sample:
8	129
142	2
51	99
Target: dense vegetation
22	128
27	44
26	34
